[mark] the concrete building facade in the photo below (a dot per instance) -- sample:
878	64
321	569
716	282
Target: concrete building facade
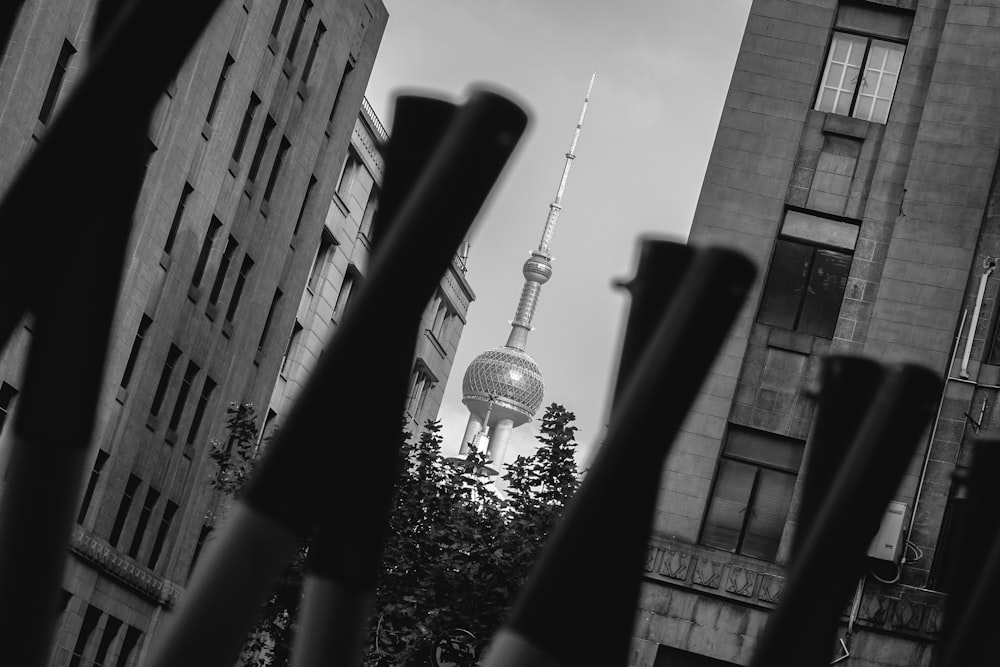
245	150
339	267
855	162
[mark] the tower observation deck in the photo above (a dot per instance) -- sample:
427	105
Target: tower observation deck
503	386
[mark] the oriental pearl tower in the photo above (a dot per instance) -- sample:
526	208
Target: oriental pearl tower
503	386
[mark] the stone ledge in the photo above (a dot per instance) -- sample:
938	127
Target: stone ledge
887	608
110	561
846	126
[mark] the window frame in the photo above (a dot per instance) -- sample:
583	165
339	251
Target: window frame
759	466
862	70
815	245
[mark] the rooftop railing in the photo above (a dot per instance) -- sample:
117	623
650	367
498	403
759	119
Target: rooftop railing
372	119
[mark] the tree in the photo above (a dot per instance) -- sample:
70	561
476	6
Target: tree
456	551
270	641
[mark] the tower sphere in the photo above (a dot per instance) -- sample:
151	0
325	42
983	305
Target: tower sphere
506	378
537	268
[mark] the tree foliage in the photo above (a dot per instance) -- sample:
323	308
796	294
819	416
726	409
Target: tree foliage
457	549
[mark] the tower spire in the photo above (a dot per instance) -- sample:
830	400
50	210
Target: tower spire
503	387
538	269
556	205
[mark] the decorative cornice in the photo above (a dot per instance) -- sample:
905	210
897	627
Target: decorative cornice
884	608
117	565
368	150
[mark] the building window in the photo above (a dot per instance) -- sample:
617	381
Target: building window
351	166
56	82
7	396
751	493
152	496
667	656
293	340
808	274
95	475
442	317
371	207
323	255
111	628
241	281
864	61
175	224
267	320
220	86
199	411
90	620
420	386
348	68
189	375
133	354
248	115
161	388
220	276
132	637
161	534
198	546
258	156
313	48
206	250
306	200
278	18
279	159
947	553
131	486
344	295
293	43
267	430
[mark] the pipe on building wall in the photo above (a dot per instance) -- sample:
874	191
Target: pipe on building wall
934	425
990	265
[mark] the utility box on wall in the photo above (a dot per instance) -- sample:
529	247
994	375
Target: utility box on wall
889	542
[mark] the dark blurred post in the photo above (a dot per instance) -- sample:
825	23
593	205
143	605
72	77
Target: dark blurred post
831	559
969	616
88	233
312	478
701	297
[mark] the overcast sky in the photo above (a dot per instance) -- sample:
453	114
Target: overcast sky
663	68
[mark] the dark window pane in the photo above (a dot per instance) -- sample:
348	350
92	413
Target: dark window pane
56	82
767	514
724	521
276	26
220	275
206	250
132	637
241	138
258	156
152	496
140	334
219	87
667	656
123	508
786	281
764	448
825	293
111	628
95	475
90	620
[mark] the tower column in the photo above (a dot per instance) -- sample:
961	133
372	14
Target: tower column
473	429
507	376
499	437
